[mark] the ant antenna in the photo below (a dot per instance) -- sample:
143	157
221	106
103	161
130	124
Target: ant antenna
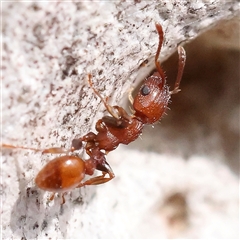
181	64
157	63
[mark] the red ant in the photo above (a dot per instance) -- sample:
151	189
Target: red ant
67	172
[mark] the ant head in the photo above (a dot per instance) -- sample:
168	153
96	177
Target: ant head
152	99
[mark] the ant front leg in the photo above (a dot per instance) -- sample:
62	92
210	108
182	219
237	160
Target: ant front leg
111	109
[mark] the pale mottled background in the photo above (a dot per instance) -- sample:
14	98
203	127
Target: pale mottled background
181	178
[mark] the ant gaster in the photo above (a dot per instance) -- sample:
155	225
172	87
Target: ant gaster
68	172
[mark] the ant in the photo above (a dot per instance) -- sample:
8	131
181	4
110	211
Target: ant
67	172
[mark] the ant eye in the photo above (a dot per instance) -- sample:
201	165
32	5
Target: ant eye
145	90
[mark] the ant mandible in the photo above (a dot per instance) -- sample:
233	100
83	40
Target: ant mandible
68	171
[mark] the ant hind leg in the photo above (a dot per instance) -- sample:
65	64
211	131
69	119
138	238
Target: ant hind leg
54	150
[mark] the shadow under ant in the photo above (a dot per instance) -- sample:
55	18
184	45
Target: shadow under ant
31	218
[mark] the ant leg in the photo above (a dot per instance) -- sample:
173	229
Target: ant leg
89	137
116	111
52	196
63	198
20	147
76	144
130	96
55	150
109	108
181	65
131	99
106	169
97	180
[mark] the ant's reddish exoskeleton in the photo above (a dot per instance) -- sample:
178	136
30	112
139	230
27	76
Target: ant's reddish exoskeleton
67	172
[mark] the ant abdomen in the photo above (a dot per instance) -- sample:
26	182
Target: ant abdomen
61	174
